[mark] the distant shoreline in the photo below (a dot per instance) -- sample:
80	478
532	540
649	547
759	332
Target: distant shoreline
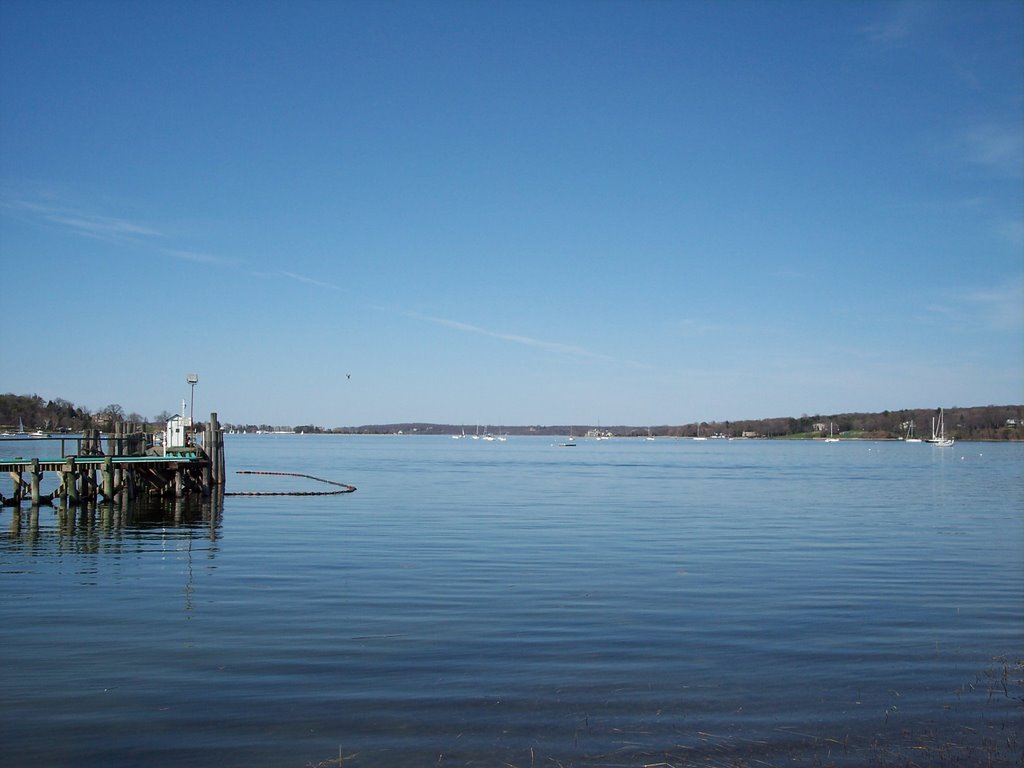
990	423
774	438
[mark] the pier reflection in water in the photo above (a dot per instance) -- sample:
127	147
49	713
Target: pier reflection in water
113	527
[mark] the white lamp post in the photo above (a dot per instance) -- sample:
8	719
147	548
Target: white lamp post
193	379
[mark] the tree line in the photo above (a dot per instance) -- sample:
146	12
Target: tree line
989	422
32	413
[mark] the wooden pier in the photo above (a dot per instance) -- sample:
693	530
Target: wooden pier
132	467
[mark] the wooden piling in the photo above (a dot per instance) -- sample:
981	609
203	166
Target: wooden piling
218	436
115	447
89	484
70	477
36	477
108	478
208	474
130	486
211	449
16	482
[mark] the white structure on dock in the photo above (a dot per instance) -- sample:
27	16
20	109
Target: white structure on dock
178	426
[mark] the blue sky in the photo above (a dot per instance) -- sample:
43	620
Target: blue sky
513	213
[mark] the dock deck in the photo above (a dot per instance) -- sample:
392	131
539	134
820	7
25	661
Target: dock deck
19	464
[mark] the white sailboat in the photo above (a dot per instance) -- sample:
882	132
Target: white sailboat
938	437
12	435
831	437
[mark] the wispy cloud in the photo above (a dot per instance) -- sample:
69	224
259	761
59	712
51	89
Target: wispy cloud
548	346
691	328
1012	231
897	25
82	223
996	308
310	281
1002	307
733	331
997	146
1005	223
199	258
112	229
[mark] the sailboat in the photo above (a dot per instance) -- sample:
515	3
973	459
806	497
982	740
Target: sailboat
831	437
910	434
939	432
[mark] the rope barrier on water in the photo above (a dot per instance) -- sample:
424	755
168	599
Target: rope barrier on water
342	486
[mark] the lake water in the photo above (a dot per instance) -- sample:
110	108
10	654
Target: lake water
621	603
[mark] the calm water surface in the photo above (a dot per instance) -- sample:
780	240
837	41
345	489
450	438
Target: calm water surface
624	602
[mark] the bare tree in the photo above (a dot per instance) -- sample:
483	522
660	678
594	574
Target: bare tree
110	415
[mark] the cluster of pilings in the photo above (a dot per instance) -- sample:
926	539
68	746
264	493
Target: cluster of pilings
213	443
132	467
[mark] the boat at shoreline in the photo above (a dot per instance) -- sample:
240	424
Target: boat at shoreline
938	437
21	434
909	436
